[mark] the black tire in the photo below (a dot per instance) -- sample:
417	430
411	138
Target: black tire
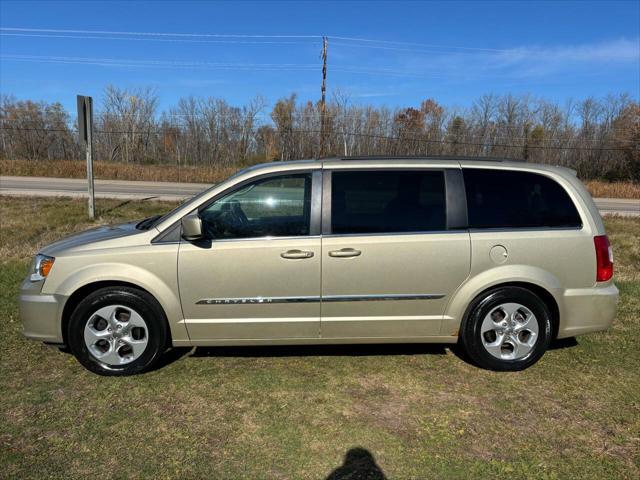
144	304
471	339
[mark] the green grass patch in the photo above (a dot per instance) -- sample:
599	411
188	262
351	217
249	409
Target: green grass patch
295	412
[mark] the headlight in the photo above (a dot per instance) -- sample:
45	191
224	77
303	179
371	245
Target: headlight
41	267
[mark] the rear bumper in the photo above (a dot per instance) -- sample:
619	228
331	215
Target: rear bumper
587	310
40	313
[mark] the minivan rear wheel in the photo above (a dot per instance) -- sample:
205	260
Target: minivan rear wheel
507	328
117	331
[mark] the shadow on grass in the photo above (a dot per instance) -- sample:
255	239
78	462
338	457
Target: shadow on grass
123	204
358	464
561	343
557	344
459	352
349	350
171	355
353	350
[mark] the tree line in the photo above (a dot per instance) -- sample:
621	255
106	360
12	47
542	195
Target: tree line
599	137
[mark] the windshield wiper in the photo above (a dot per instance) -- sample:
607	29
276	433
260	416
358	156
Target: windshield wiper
147	223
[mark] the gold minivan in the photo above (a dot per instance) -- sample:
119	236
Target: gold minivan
499	256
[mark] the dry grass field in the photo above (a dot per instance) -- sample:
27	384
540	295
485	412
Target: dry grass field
171	173
303	412
116	171
601	189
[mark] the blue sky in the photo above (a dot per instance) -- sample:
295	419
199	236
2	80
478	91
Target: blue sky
390	53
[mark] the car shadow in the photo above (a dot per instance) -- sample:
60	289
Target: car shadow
561	343
171	355
459	352
358	463
556	344
350	350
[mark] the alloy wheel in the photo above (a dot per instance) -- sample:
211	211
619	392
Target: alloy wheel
116	335
509	331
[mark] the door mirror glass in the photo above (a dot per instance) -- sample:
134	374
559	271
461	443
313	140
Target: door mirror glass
192	227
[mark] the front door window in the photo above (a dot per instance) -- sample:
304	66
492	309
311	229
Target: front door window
272	207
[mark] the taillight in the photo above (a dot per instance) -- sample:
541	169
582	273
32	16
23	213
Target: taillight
604	258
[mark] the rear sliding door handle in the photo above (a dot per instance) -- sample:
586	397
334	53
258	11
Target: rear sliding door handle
296	254
344	253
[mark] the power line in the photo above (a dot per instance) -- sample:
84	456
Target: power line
408	50
364	135
142	63
38	129
388	72
225	35
155	34
462	50
266	41
492	130
154	62
146	39
425	45
159	63
493	135
448	142
491	127
114	62
174	36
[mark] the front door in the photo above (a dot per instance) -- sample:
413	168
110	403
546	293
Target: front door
390	259
256	276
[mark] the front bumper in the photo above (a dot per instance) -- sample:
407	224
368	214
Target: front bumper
40	313
587	310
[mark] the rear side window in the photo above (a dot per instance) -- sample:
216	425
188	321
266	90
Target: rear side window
504	199
387	201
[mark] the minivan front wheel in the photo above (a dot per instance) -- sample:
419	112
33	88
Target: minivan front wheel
117	331
508	328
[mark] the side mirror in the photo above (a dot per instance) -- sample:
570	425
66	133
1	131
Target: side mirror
192	227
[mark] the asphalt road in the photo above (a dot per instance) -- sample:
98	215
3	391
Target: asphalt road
51	187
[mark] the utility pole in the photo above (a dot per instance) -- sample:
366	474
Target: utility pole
85	130
323	107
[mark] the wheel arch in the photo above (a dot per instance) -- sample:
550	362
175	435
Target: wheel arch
544	295
85	290
162	286
540	282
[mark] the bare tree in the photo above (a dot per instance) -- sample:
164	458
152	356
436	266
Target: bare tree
127	123
599	137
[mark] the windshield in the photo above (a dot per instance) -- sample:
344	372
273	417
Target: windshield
151	222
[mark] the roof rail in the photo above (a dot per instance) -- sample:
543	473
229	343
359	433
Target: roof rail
424	157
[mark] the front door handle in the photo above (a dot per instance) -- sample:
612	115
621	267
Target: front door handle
344	253
296	254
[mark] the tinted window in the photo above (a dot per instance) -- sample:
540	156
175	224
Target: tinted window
387	201
498	198
276	206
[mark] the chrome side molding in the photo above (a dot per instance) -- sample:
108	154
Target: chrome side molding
382	297
254	300
326	298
